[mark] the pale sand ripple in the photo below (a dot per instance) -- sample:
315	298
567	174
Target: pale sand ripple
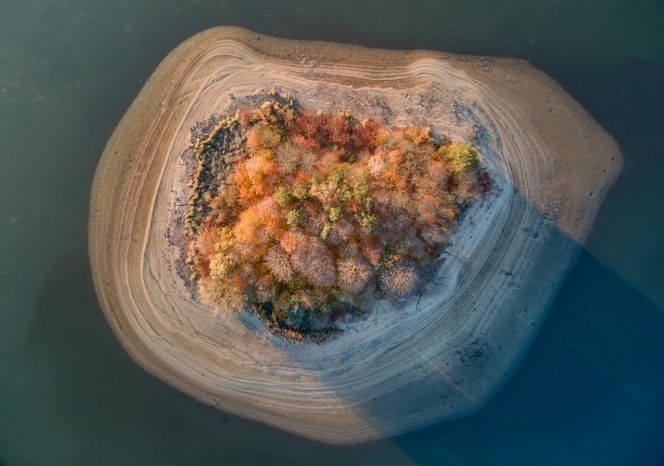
402	368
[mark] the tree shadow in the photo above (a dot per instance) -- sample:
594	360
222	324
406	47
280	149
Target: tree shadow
589	387
588	390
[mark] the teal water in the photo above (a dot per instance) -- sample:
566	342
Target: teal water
590	391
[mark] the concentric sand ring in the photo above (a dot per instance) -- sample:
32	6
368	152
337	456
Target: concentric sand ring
404	367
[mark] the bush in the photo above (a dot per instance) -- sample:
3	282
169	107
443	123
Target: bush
222	296
278	264
263	135
461	156
354	274
313	260
288	156
399	280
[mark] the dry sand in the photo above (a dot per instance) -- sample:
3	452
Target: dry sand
404	367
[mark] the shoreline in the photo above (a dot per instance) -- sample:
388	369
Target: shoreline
541	135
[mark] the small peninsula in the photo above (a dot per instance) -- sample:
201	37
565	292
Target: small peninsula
342	242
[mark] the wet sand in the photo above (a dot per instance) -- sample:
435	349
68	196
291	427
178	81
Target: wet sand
406	366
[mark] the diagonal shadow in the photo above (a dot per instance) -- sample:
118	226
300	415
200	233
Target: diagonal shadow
593	375
589	388
595	358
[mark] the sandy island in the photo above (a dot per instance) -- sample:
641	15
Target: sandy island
440	356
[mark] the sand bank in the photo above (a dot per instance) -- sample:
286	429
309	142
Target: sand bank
435	358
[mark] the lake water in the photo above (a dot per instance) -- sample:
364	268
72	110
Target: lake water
590	391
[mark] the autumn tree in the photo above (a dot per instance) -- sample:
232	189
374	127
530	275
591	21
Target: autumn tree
319	211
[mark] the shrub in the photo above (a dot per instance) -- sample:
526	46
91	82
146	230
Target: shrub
399	280
417	135
289	241
376	165
221	296
288	157
222	265
365	135
313	260
278	264
263	135
461	156
293	217
354	274
266	289
340	232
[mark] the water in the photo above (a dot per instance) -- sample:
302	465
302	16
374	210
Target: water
590	392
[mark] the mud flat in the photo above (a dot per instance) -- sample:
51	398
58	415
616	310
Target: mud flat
440	355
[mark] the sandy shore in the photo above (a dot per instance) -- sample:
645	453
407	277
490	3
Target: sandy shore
438	357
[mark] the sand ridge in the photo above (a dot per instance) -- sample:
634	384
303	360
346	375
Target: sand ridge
435	358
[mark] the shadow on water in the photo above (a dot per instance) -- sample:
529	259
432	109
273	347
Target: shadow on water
587	392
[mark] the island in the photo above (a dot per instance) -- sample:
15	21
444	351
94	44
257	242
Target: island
342	242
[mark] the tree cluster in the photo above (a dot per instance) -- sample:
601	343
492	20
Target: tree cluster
322	211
